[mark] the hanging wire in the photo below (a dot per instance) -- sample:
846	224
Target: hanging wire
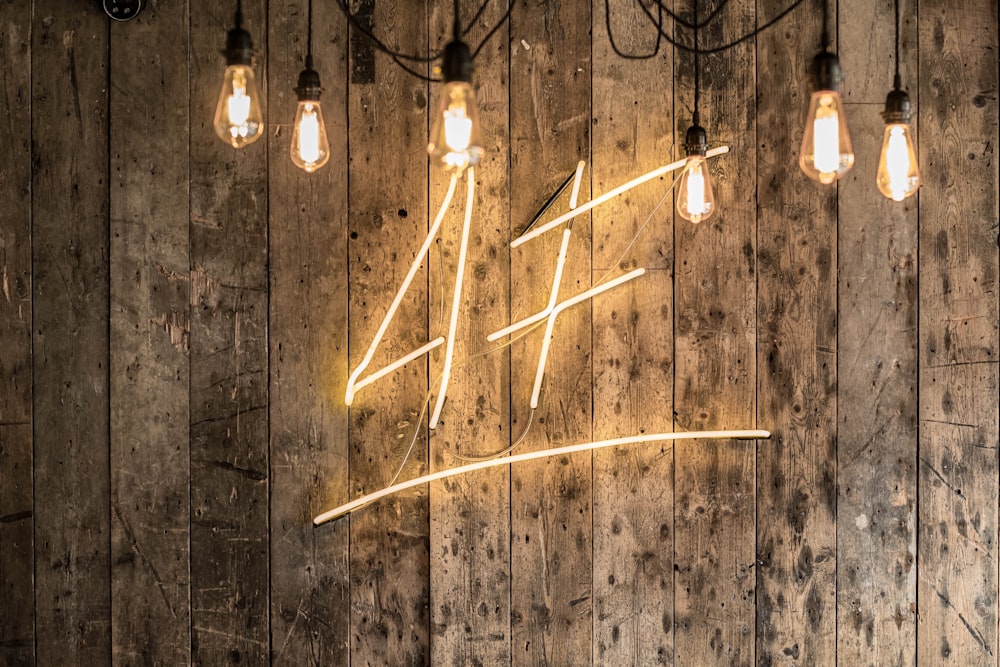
493	30
634	56
309	37
677	18
697	69
897	81
399	57
723	47
825	37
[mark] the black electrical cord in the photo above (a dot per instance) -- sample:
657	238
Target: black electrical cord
825	35
695	118
690	25
398	57
309	36
493	30
724	47
897	81
634	56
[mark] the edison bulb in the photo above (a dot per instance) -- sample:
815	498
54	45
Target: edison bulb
826	145
898	176
310	146
695	199
456	142
239	119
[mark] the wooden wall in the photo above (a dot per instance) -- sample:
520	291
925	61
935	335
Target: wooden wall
178	321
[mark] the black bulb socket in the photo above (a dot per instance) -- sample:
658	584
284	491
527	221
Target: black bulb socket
827	73
456	64
696	141
897	107
239	47
309	87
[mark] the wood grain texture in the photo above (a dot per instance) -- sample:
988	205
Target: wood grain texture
958	381
470	516
69	108
17	642
388	220
714	382
877	364
797	360
308	350
150	326
633	345
228	361
551	501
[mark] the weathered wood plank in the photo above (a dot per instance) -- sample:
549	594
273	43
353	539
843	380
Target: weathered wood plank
796	356
958	374
150	325
308	333
877	363
551	511
17	641
470	516
69	108
228	361
387	121
633	345
714	382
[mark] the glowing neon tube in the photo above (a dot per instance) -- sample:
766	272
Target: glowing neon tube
352	380
347	508
611	194
569	303
576	184
402	361
553	294
456	300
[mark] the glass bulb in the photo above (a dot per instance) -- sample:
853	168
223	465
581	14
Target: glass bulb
239	119
695	199
455	138
826	145
310	147
898	175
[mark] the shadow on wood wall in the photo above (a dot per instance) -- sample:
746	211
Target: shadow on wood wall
178	319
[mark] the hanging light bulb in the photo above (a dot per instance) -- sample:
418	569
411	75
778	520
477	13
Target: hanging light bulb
695	198
898	175
826	144
239	118
455	141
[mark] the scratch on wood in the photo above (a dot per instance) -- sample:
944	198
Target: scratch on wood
134	544
958	492
972	631
203	288
179	330
6	284
68	36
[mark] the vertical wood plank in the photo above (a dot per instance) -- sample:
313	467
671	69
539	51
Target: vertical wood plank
228	361
470	516
958	378
877	374
633	344
715	382
797	358
69	109
387	121
551	510
150	325
17	644
308	350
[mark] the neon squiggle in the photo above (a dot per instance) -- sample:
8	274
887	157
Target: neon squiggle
456	301
347	508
